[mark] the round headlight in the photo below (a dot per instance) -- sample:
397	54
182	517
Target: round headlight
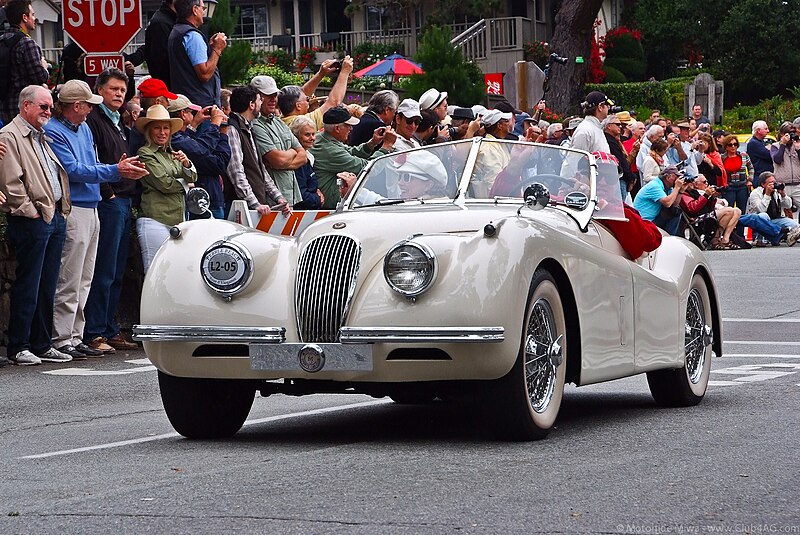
227	267
409	268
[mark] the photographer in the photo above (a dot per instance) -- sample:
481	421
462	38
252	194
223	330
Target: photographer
787	161
701	202
768	201
659	200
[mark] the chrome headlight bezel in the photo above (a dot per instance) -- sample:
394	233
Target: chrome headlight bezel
428	256
235	253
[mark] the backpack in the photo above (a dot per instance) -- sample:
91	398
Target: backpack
7	43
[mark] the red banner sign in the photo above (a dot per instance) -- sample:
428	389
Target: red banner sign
494	83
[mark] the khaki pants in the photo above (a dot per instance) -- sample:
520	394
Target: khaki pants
75	277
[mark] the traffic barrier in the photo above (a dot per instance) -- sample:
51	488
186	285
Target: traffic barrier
274	222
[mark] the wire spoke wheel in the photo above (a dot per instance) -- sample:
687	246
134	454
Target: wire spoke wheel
695	337
540	373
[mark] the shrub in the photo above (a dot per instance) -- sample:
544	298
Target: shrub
623	51
282	78
666	96
280	58
614	76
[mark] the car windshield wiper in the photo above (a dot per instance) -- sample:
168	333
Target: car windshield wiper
386	202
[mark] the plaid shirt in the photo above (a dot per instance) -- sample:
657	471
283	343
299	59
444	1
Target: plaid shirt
26	69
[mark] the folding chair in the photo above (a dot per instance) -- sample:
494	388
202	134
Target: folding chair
697	229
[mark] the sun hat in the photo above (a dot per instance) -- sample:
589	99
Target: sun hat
155	113
431	98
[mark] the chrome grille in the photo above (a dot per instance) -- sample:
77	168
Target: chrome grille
326	279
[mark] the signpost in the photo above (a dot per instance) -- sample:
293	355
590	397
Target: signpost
94	64
102	26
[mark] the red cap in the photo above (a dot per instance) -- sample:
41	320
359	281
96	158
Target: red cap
153	87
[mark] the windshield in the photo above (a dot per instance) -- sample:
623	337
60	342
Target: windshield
421	174
502	170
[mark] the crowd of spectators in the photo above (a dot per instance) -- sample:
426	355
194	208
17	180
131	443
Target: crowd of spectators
74	163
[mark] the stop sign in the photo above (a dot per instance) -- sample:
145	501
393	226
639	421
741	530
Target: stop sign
102	26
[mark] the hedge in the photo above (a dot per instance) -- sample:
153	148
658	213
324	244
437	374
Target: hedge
666	96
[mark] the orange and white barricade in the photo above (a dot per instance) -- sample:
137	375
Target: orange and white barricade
274	222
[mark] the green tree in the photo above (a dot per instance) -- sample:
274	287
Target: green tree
236	57
446	70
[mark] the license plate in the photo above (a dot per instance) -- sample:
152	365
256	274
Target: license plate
286	357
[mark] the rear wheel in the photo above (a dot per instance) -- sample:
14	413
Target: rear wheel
686	386
205	408
531	393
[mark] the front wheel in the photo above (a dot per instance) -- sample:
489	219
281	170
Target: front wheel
684	387
530	394
205	408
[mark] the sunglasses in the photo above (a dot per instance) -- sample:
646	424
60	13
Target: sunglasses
617	124
406	177
45	107
415	121
732	145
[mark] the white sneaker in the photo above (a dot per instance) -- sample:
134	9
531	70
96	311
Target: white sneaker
793	236
25	358
54	355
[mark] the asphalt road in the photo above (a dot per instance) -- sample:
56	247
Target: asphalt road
88	449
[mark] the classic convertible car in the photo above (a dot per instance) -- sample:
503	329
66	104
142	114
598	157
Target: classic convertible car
481	267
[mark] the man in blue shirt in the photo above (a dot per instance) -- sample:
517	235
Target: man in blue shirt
192	60
74	145
758	151
658	201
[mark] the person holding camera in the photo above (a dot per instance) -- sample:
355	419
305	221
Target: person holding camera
701	201
589	134
659	200
740	173
769	201
786	157
711	164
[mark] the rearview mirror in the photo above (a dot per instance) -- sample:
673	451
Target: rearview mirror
536	196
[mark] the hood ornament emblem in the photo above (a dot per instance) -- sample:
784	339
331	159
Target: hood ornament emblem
339	225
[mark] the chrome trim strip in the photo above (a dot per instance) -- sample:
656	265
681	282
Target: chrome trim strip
394	335
209	333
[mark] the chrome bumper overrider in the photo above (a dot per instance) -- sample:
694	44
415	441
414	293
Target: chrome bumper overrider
348	335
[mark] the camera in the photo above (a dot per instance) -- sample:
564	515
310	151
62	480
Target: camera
688	179
615	109
336	65
794	137
780	186
558	59
721	189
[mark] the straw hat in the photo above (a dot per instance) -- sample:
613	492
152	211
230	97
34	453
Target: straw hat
157	112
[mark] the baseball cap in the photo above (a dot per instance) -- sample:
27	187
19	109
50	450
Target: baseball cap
595	98
264	84
671	170
181	103
409	108
425	166
339	115
506	107
77	91
153	87
493	117
683	124
431	98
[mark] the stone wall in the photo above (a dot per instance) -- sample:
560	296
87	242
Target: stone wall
127	312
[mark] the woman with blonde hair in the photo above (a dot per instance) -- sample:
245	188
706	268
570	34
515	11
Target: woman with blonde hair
170	174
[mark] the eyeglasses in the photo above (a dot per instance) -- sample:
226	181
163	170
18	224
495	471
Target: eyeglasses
46	107
413	121
732	144
616	124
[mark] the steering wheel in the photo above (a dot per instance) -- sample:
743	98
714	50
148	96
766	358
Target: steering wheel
543	179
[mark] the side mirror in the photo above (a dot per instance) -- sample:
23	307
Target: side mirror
536	196
197	201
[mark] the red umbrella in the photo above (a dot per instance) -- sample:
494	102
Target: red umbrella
397	64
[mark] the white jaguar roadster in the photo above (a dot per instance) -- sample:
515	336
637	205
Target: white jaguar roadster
478	266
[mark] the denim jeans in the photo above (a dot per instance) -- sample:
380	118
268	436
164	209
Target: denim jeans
668	222
762	226
109	268
736	195
38	247
152	235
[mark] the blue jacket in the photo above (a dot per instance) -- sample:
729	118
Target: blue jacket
307	181
760	156
210	153
77	154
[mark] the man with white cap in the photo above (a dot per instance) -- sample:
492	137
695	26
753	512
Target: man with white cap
494	157
277	147
332	155
436	101
74	145
421	176
407	120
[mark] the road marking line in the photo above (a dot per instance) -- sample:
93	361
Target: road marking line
761	355
762	320
142	440
760	342
90	371
723	383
